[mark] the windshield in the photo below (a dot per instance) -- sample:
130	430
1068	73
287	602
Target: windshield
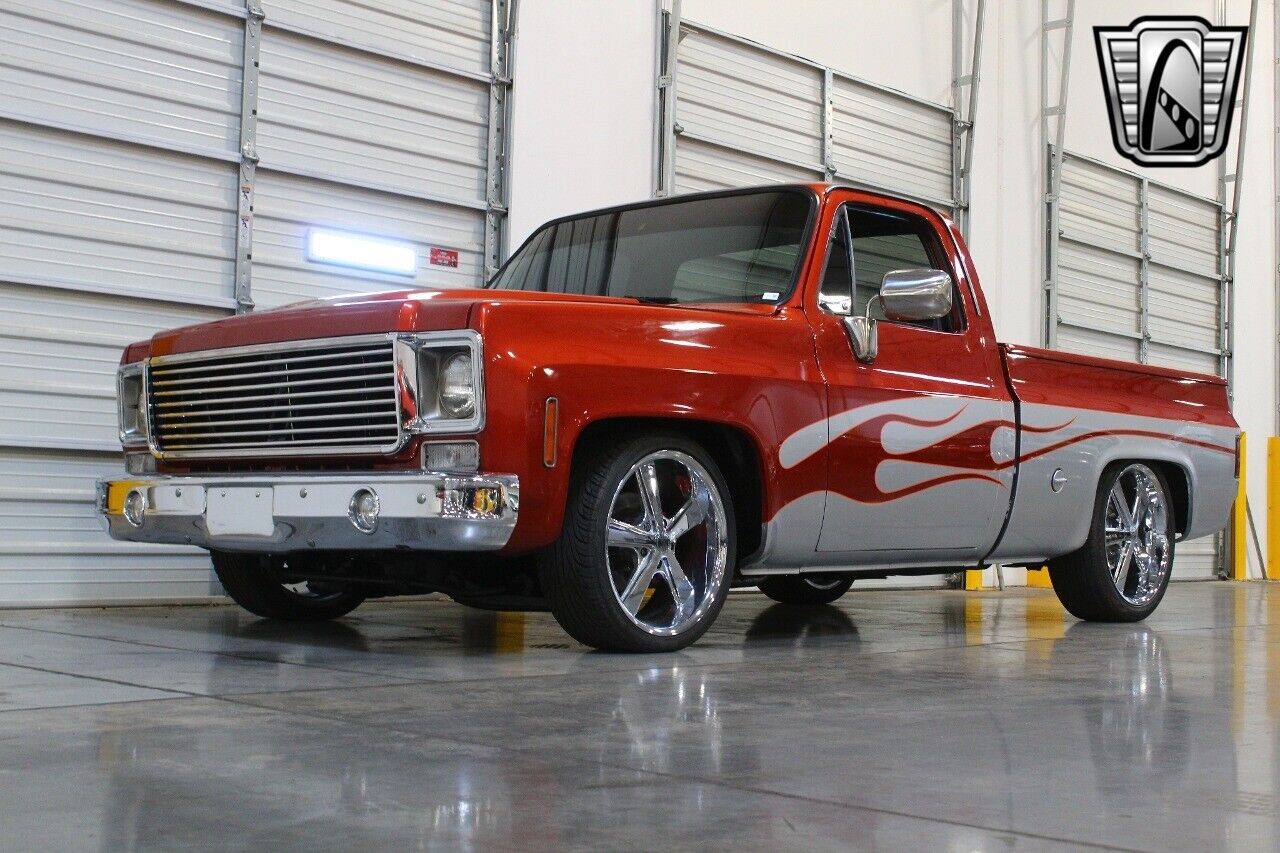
738	248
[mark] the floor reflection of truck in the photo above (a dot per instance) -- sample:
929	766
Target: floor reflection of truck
788	386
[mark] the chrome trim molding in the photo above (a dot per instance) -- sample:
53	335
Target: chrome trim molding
311	511
409	347
140	436
259	349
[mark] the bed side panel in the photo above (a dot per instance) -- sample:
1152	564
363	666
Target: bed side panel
1077	418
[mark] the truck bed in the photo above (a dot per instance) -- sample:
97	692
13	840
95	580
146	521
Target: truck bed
1077	414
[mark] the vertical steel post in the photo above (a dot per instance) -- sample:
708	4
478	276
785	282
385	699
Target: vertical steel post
667	128
497	183
1224	234
1231	205
1224	288
965	108
1224	242
828	131
957	106
975	75
248	155
1053	126
1238	190
659	66
1144	271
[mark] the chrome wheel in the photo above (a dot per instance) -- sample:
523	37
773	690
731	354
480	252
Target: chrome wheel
823	582
666	542
313	591
1137	535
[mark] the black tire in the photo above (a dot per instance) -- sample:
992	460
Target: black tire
1083	580
256	583
810	589
575	574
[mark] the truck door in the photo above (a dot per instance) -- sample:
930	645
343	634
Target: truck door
921	441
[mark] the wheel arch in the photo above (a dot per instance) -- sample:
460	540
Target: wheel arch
1178	476
1176	473
736	453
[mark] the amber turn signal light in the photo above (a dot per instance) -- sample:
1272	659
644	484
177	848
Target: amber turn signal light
550	430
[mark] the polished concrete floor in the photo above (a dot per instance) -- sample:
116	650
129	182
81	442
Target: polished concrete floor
897	719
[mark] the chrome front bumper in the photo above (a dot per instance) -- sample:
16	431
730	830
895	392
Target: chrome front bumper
276	513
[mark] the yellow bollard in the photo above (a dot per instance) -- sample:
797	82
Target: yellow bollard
1273	505
973	579
1239	525
509	631
1039	578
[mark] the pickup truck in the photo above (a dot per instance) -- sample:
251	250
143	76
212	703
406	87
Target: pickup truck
788	387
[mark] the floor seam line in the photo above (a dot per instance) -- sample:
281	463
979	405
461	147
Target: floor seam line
116	681
234	655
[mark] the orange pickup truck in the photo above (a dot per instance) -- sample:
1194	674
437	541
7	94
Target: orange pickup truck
785	386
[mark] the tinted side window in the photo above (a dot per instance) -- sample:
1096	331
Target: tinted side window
884	241
836	294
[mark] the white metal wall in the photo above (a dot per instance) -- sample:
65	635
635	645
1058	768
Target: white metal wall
745	114
1136	273
143	180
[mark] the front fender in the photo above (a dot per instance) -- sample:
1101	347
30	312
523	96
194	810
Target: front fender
754	372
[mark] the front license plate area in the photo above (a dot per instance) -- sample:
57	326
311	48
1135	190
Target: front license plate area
239	512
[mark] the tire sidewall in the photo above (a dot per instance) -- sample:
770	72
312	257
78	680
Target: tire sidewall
618	468
253	581
796	589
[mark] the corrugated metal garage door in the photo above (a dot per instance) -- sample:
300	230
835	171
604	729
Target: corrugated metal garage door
134	197
745	114
1138	277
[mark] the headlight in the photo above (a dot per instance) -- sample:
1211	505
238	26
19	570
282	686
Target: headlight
440	379
457	388
132	404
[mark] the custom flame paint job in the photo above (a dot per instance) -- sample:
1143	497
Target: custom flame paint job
941	452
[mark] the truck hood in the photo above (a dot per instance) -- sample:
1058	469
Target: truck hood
369	313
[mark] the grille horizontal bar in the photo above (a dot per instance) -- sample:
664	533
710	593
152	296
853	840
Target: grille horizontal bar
299	395
236	362
333	395
265	375
280	383
354	404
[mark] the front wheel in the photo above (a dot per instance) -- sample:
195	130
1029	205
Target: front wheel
644	560
1122	571
267	587
817	588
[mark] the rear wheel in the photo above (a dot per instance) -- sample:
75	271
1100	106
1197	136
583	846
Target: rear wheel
643	563
1123	570
264	585
818	588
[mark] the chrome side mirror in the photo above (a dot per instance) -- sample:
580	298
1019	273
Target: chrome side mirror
912	295
863	337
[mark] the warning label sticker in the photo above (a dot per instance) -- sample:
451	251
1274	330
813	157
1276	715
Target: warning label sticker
444	257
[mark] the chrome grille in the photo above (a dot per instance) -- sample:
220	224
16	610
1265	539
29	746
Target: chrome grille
304	397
